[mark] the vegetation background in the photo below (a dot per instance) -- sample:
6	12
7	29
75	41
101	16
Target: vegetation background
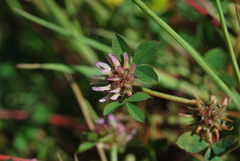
39	114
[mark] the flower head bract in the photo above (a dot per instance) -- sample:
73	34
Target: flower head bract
118	79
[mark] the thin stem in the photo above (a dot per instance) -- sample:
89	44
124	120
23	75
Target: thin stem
167	96
114	153
81	102
198	58
101	153
59	156
228	43
86	114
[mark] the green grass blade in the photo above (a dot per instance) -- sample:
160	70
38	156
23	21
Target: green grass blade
228	43
85	70
100	10
63	31
14	4
57	13
197	57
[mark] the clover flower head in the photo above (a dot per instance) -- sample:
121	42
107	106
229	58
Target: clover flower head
118	80
209	118
115	131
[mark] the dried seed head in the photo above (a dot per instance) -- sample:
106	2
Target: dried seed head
209	118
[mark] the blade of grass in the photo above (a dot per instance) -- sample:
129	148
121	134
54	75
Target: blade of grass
85	70
100	10
228	43
197	57
59	16
14	4
57	13
71	8
63	31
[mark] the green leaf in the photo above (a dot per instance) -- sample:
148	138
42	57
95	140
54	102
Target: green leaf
191	142
145	52
210	156
146	73
111	107
119	46
90	136
135	112
217	59
86	146
139	96
227	79
225	145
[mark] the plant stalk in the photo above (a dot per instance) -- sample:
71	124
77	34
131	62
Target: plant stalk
228	43
167	96
114	153
86	114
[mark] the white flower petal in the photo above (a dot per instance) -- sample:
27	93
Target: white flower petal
105	71
103	65
120	70
117	90
113	79
129	92
133	68
131	76
115	96
115	61
125	66
104	88
105	98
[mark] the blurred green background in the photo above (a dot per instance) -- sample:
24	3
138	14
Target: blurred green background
31	100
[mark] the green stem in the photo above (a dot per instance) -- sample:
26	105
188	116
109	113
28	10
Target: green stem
198	58
167	96
114	152
228	42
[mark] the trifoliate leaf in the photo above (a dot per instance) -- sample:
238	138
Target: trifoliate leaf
145	52
216	58
119	46
135	112
225	145
139	96
210	156
191	142
146	73
111	107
